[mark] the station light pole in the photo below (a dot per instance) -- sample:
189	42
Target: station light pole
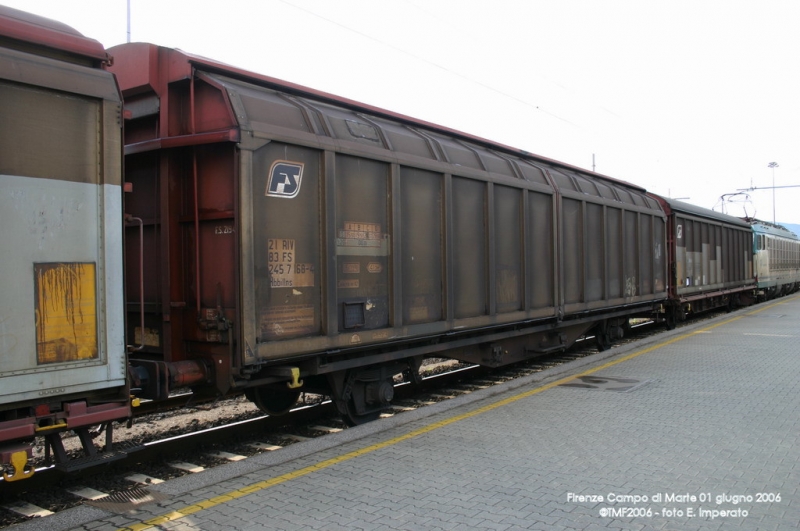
773	165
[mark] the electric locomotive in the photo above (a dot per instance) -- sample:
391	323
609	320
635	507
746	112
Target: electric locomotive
776	254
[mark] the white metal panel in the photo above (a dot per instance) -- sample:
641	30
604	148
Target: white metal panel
52	221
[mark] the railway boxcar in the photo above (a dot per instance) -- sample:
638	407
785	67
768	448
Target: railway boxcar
295	241
711	260
777	259
62	350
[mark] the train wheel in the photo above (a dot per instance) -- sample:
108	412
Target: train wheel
272	401
352	417
602	336
670	319
603	341
363	395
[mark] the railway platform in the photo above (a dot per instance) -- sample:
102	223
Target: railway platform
696	429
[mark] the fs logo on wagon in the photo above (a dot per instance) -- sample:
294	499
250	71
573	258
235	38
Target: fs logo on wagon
284	179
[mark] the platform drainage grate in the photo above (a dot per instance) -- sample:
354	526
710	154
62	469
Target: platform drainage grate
606	383
129	500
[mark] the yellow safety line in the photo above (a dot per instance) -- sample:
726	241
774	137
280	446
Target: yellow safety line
261	485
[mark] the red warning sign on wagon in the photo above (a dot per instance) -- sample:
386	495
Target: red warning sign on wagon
357	238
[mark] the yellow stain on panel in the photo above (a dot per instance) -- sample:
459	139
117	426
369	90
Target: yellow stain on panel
66	312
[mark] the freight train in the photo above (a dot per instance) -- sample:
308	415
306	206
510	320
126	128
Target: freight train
245	235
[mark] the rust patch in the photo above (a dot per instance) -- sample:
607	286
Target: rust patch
66	312
292	320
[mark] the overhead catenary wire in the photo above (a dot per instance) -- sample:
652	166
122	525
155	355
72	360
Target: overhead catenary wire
432	63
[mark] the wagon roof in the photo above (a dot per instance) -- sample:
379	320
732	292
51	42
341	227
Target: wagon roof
687	208
25	27
213	66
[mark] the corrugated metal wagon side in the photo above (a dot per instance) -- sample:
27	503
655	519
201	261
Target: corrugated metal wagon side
299	241
712	257
61	321
613	251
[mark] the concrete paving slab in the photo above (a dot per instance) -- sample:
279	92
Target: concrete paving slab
709	442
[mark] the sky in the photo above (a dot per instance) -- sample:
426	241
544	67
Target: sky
691	99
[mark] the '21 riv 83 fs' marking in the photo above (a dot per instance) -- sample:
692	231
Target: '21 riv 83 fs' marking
284	270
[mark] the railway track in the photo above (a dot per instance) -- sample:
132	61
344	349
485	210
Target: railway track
186	445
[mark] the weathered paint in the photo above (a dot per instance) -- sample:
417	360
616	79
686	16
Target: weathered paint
66	312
